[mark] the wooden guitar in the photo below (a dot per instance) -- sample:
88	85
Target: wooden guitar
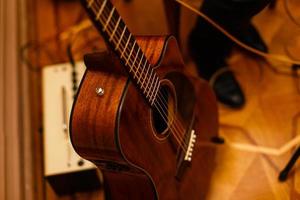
140	118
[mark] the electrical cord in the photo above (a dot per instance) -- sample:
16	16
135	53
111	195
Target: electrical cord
294	73
277	57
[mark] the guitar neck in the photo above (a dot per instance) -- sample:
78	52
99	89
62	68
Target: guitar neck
115	32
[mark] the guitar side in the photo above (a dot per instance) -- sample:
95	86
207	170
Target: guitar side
116	133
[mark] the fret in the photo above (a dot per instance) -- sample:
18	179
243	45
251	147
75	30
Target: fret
126	45
109	18
142	69
155	90
152	86
145	75
149	82
154	81
130	54
116	27
150	91
101	10
90	3
93	9
136	56
121	37
111	25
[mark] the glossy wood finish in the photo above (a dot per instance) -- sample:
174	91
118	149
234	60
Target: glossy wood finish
115	130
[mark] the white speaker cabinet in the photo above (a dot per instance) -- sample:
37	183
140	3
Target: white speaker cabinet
59	155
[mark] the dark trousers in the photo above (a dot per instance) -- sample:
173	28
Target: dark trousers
209	47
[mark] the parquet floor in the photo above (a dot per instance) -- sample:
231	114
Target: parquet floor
269	118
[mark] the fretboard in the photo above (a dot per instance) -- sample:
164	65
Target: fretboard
108	21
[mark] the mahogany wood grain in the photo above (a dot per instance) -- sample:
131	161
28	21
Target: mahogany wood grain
115	131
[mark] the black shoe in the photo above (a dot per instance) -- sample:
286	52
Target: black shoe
210	56
228	90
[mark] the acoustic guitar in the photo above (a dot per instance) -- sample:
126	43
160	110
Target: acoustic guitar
140	117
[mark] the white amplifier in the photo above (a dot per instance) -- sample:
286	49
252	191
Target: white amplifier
59	155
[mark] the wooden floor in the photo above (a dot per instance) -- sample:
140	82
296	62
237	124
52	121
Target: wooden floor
269	118
256	136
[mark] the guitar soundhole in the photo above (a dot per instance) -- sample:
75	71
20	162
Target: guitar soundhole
163	111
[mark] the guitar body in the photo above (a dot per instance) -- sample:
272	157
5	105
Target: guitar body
117	132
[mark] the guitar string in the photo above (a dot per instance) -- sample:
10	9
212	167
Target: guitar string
133	54
163	96
177	137
180	140
176	121
140	59
163	99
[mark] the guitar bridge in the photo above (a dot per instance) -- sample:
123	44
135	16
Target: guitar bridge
186	155
190	148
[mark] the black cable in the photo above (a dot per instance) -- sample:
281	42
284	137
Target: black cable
285	172
283	175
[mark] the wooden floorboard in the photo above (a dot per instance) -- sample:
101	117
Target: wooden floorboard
269	116
267	120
